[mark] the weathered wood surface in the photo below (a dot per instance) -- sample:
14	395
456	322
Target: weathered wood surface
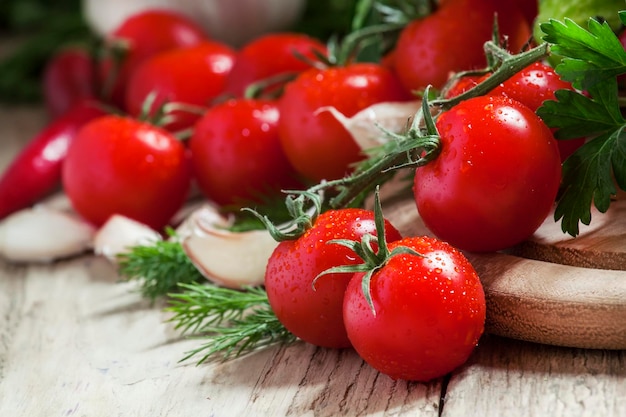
76	342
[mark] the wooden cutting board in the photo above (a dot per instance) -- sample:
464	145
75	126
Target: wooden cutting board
552	289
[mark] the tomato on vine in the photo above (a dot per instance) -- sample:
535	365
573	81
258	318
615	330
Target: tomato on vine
119	165
495	179
236	153
272	55
532	86
451	39
311	308
193	76
140	37
422	314
316	144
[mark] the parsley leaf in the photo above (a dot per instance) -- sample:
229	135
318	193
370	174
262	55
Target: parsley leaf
577	115
587	178
591	61
590	56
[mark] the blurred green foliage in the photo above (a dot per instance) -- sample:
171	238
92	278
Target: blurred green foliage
41	26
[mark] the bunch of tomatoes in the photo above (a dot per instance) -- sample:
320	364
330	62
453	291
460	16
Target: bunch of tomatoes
185	113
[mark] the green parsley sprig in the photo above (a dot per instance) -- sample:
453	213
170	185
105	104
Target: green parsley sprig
591	60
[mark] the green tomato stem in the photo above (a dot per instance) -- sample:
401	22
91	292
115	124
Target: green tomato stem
415	148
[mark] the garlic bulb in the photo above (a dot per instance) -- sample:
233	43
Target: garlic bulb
233	21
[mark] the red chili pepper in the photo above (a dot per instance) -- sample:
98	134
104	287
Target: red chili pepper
36	171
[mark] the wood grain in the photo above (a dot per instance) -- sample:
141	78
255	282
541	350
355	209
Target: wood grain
552	303
600	245
77	342
520	379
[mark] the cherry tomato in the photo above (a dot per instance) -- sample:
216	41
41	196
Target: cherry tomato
194	75
118	165
317	145
140	37
314	314
534	85
69	77
462	85
452	38
430	312
529	8
236	153
496	177
531	86
272	55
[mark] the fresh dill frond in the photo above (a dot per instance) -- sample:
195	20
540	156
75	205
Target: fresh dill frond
159	267
232	322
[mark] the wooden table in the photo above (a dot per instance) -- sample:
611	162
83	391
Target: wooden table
74	341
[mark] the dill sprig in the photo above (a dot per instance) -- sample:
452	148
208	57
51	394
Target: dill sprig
159	267
232	322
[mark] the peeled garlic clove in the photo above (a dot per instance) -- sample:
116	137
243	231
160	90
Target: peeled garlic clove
367	126
206	216
58	201
119	234
43	234
230	259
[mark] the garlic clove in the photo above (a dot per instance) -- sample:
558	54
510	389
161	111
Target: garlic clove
230	259
119	234
368	126
204	216
58	201
43	234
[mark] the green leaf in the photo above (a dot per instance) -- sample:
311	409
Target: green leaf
160	268
590	56
591	61
577	115
588	179
231	322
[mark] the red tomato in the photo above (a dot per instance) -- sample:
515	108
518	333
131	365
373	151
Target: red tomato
452	38
529	8
69	77
430	312
142	36
496	177
271	55
462	85
531	87
317	145
195	76
315	314
236	153
118	165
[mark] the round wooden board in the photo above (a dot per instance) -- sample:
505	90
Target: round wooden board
554	289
